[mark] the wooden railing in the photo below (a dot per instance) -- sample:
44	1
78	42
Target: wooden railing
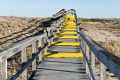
42	40
93	52
71	11
39	44
59	14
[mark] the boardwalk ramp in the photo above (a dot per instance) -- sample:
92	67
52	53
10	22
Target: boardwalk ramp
63	59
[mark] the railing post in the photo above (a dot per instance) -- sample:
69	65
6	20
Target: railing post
33	51
58	26
88	57
83	44
39	45
53	31
3	70
93	64
49	32
45	50
24	59
49	42
102	71
57	29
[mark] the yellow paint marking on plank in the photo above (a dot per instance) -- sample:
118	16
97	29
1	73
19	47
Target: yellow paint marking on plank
68	32
69	17
65	43
68	29
67	37
69	26
64	55
72	23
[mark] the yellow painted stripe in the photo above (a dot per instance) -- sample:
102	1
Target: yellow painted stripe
67	37
63	55
68	29
68	26
68	32
65	43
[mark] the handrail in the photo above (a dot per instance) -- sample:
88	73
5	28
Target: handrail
21	47
73	12
18	47
87	61
34	42
28	63
60	13
103	56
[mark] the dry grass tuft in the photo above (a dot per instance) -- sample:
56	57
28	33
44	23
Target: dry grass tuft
106	32
15	29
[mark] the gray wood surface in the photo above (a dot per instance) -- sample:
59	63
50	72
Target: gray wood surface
102	72
61	69
24	59
3	70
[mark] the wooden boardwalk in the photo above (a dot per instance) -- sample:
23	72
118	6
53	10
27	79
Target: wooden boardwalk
64	59
58	54
61	69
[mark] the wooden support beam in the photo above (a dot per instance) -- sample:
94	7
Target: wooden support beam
3	70
39	45
40	57
33	51
88	57
45	50
93	63
48	32
53	31
102	71
24	59
49	42
58	30
83	44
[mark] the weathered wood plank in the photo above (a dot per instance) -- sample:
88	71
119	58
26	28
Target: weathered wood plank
27	64
87	55
93	63
40	56
34	51
61	69
59	14
18	47
102	72
40	45
3	70
24	59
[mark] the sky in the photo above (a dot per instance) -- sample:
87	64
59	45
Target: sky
46	8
